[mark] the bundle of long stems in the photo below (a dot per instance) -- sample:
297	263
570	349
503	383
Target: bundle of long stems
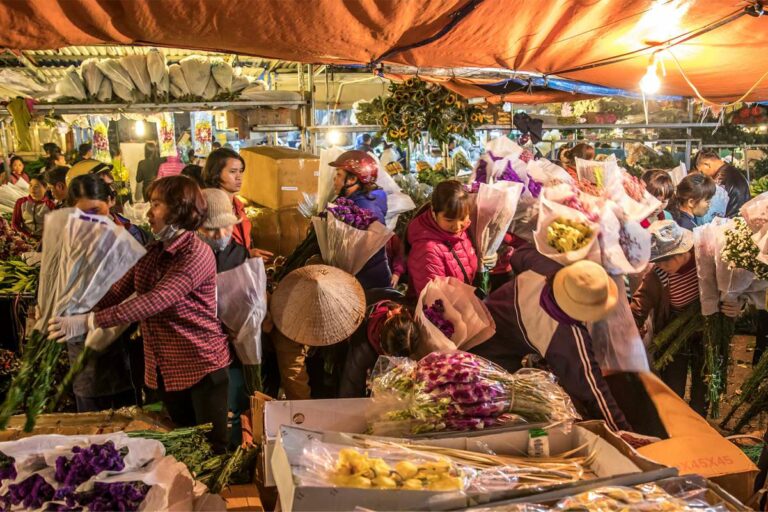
669	341
749	387
718	331
566	467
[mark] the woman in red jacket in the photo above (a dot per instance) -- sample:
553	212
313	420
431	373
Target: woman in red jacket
29	211
438	239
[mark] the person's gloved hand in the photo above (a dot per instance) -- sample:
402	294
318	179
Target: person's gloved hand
730	308
63	328
490	261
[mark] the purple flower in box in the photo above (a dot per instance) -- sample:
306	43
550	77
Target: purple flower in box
88	462
509	174
32	493
436	314
7	467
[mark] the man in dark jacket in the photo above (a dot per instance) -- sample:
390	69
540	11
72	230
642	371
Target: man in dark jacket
709	163
543	311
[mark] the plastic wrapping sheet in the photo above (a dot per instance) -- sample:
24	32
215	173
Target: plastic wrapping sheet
470	319
71	86
346	247
92	76
223	74
197	72
551	211
325	176
495	207
178	83
172	486
458	392
136	66
625	247
242	307
83	256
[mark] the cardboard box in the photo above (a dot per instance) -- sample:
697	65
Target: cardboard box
276	177
274	116
279	231
348	416
288	458
694	447
238	120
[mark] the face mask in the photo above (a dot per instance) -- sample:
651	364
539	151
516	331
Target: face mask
169	232
217	244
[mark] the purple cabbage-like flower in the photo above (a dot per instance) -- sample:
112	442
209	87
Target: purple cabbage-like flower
509	174
7	467
481	172
114	496
32	493
86	463
493	157
534	187
436	314
349	213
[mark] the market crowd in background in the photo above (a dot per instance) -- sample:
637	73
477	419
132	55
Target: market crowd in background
198	228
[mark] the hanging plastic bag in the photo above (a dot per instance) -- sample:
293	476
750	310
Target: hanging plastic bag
179	86
239	83
615	339
105	91
223	74
564	234
116	73
136	66
211	89
625	247
71	86
92	76
124	93
463	323
158	72
197	72
242	307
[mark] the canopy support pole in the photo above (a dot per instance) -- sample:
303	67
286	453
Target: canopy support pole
689	134
312	137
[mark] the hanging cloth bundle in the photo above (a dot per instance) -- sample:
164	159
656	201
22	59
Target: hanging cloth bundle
21	119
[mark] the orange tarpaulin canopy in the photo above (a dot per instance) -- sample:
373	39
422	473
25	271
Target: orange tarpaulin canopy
547	36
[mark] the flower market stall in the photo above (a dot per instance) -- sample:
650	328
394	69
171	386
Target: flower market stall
346	256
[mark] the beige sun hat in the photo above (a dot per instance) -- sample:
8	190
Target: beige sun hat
669	239
220	213
585	291
318	305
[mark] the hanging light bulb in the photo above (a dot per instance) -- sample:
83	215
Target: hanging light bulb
651	83
139	128
334	137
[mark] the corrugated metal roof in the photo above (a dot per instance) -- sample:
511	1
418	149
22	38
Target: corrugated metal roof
51	64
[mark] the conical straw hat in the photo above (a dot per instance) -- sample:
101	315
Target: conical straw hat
318	305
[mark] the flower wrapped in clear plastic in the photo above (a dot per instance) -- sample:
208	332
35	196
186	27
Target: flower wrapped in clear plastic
451	316
567	226
460	391
494	210
349	236
83	256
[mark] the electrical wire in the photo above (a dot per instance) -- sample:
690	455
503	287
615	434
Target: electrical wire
679	39
710	102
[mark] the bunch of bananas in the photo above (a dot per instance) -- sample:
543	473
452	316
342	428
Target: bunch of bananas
415	106
355	469
18	277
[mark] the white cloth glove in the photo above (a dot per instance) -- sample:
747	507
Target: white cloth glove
63	328
490	261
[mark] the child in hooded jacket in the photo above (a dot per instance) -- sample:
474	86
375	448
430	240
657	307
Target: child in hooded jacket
439	245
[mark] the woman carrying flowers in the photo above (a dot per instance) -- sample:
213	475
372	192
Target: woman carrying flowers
670	287
438	239
355	180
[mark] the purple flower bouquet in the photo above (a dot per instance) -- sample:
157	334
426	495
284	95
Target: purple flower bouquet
436	314
462	391
349	235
